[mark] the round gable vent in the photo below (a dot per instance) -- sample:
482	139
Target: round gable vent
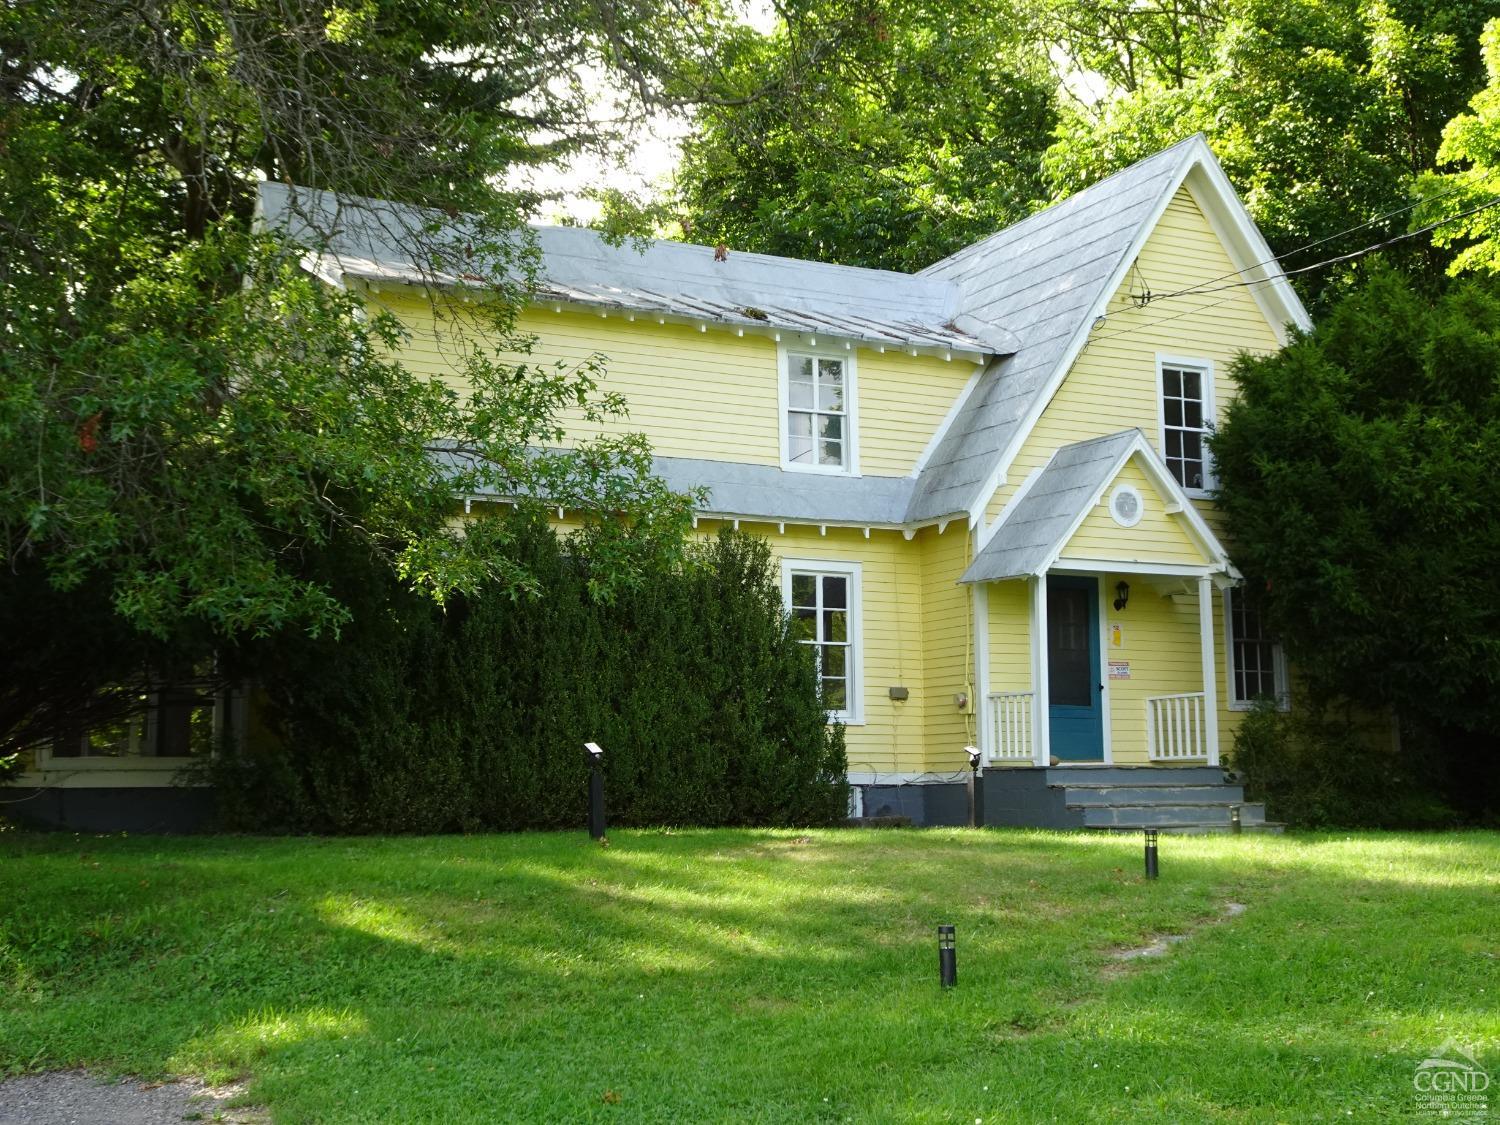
1126	506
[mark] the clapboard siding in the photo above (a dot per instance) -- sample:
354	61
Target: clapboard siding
1113	385
947	638
709	394
1158	537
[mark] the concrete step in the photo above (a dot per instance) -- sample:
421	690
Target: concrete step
1161	816
1134	775
1087	795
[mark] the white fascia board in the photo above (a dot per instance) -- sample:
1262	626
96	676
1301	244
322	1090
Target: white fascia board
1085	327
1243	241
780	335
1140	448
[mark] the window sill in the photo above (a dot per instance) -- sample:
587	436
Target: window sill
817	470
1241	705
54	765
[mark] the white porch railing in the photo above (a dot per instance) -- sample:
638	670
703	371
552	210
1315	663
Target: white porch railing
1010	726
1174	728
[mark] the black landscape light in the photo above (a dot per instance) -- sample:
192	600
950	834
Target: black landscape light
947	957
976	800
596	789
1234	820
1151	869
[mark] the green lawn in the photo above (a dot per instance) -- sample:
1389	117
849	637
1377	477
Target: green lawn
757	975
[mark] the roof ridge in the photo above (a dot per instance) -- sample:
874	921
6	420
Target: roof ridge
1057	204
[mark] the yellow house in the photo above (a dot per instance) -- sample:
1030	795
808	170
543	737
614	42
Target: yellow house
986	483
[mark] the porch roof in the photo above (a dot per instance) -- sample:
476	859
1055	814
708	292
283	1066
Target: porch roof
1048	508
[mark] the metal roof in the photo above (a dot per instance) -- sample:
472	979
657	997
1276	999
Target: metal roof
769	492
765	492
372	240
1042	278
1022	300
1049	506
1037	523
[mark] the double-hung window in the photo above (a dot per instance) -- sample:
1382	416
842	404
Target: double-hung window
180	720
1186	416
1257	670
823	600
817	415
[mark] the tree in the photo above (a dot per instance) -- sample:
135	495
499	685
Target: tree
1323	113
185	413
922	132
1356	471
937	126
1460	203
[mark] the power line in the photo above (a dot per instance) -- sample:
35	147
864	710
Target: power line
1200	291
1349	257
1276	260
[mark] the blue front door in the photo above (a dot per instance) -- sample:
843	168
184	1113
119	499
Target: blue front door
1073	680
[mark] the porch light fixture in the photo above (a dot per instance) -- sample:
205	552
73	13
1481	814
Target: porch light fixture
1151	864
947	957
1122	595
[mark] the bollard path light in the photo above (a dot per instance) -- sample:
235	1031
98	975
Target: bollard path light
1151	868
1234	820
974	756
596	789
947	957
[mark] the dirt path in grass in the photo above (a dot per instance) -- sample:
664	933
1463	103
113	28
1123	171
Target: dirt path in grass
75	1097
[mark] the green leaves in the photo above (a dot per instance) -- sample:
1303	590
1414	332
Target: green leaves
1357	471
683	666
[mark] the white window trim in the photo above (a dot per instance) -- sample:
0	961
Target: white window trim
854	714
1210	415
1140	504
851	406
232	697
1278	659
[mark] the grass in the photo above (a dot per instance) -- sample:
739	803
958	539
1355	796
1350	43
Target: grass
757	975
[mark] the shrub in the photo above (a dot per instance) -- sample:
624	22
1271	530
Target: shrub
1318	769
473	718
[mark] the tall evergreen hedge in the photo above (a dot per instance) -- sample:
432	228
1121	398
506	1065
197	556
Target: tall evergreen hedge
473	718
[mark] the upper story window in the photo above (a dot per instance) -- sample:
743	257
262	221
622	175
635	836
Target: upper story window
1257	669
1186	417
823	599
817	411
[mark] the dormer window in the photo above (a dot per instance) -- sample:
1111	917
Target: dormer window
817	411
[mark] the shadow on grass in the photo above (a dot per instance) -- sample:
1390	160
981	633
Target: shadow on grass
750	974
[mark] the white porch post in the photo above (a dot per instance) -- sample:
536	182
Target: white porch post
1210	667
981	688
1041	736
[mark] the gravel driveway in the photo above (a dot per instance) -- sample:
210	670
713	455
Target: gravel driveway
75	1097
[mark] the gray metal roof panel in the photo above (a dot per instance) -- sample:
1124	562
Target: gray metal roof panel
371	239
1041	278
1035	524
767	492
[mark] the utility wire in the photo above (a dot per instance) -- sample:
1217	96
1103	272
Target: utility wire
1276	260
1349	257
1353	254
